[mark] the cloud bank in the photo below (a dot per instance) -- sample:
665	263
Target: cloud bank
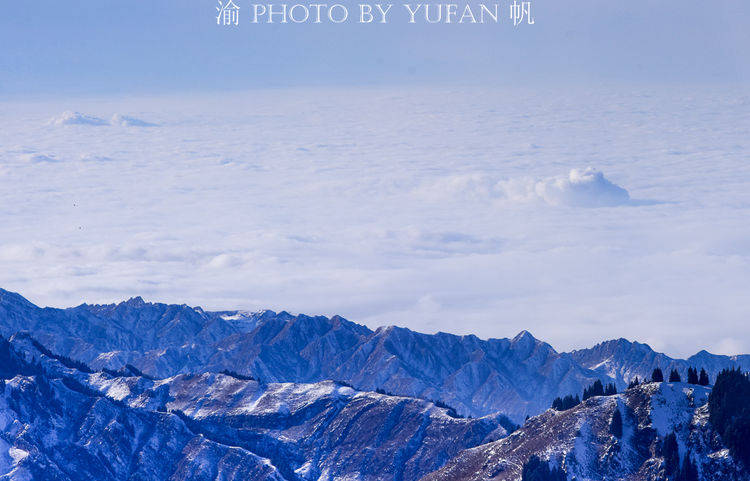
457	215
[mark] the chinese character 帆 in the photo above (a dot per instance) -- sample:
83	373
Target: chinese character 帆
520	12
229	14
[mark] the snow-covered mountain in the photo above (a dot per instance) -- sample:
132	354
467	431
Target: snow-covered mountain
138	390
60	422
623	360
518	377
580	440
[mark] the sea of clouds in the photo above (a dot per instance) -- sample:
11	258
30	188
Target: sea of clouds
579	215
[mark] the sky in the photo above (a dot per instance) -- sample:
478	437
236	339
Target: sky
584	178
109	46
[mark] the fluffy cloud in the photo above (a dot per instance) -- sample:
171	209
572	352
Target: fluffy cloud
440	218
77	118
579	188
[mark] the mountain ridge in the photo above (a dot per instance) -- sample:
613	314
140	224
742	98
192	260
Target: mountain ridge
518	376
60	420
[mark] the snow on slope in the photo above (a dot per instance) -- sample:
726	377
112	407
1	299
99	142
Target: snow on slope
623	360
579	440
75	425
517	376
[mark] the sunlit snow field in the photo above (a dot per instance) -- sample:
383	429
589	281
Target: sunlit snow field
468	211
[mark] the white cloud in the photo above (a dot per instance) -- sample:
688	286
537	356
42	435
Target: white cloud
76	118
729	346
579	188
223	261
126	121
440	218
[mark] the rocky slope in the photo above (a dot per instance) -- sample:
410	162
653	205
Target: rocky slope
63	423
580	441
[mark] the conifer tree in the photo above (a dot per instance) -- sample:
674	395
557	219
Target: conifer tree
688	472
596	389
634	383
671	454
674	376
610	390
729	412
692	376
567	402
657	375
537	470
615	426
703	381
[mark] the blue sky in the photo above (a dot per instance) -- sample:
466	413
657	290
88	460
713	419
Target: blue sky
110	46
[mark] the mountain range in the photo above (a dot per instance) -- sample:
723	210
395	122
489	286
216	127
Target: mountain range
517	377
146	391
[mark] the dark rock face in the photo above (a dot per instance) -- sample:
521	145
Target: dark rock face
62	423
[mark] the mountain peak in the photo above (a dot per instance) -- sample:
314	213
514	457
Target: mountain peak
136	301
13	298
523	336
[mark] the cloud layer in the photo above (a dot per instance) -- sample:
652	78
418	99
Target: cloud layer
434	210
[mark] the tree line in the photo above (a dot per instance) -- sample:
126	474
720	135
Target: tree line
599	389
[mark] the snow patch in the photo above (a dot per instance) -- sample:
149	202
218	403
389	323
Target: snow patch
118	391
673	406
17	454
